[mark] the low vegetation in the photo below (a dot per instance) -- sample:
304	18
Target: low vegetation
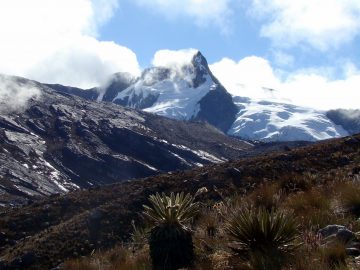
170	240
240	233
267	239
291	194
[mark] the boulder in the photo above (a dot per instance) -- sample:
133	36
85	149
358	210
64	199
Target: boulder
345	235
352	252
330	230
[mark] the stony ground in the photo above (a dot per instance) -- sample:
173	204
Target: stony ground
44	233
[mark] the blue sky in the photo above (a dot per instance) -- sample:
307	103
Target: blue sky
146	30
307	50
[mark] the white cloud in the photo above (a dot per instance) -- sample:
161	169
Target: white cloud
253	76
14	95
204	12
84	62
103	10
248	76
322	24
282	59
175	59
54	41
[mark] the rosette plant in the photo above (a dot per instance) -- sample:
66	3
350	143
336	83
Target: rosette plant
170	239
268	239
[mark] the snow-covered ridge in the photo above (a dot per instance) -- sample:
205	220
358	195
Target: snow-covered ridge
182	86
178	91
170	92
271	121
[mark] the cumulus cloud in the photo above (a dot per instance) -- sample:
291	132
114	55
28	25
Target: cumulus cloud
254	77
322	24
204	12
246	77
102	11
170	58
55	41
85	62
14	95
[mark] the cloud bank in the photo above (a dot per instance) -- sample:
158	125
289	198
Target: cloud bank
321	24
176	59
55	42
15	95
254	77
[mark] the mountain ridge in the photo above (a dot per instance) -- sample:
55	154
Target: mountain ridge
190	91
60	142
100	217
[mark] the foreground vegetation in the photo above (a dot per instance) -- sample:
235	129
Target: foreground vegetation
273	227
315	186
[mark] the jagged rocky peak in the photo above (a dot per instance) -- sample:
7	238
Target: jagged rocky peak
123	77
153	75
183	88
117	83
193	70
201	69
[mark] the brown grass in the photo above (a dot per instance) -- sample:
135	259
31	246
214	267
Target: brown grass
118	258
350	198
312	182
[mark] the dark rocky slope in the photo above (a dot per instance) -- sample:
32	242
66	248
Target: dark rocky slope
61	142
216	107
45	233
348	119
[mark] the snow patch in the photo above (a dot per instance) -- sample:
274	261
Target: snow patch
60	186
146	165
209	157
201	154
271	121
176	98
180	158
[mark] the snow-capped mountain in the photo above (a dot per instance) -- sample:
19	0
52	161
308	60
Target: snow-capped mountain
271	121
187	93
60	142
118	82
191	92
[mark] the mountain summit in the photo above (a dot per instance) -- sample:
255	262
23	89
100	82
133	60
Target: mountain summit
184	88
186	92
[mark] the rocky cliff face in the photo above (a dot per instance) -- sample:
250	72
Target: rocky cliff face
188	93
118	82
61	142
348	119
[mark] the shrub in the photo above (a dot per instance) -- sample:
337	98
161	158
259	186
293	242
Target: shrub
312	207
350	198
334	255
138	236
209	222
119	258
292	183
265	238
267	196
319	260
171	245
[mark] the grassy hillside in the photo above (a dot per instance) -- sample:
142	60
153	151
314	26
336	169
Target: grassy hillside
318	184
